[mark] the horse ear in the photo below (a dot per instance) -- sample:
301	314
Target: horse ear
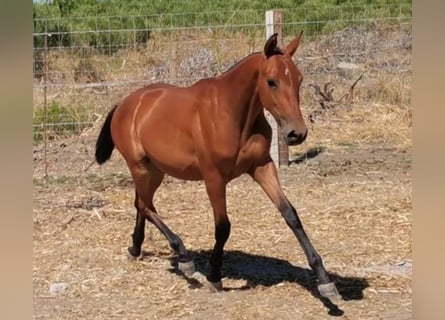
293	45
271	45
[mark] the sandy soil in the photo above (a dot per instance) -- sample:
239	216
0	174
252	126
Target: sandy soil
354	203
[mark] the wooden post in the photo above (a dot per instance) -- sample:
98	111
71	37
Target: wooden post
278	149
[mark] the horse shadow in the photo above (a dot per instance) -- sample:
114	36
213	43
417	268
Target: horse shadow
265	271
309	154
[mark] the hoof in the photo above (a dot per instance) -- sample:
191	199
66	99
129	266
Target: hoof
188	268
329	291
212	286
215	286
132	257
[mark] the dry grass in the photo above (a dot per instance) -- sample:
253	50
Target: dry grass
183	57
355	205
362	124
351	186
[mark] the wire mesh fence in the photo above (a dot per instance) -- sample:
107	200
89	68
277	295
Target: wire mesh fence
83	65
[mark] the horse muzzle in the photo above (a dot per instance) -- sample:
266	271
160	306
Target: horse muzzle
293	138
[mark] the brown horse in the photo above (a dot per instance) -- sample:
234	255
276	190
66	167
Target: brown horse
214	130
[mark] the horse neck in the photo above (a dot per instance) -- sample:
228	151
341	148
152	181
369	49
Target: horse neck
242	98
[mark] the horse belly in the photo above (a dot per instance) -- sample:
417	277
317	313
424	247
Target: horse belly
174	160
185	169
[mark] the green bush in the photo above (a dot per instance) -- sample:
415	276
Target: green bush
109	24
60	120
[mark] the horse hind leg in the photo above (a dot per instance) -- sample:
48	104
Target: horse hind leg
135	251
147	179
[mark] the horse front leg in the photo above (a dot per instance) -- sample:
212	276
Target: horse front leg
266	176
216	190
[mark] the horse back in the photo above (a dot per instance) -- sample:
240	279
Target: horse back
158	123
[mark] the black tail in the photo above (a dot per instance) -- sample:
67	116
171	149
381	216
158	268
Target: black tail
104	143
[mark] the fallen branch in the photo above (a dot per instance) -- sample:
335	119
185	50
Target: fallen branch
327	100
349	96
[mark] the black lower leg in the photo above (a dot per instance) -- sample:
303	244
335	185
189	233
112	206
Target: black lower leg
222	232
138	235
139	230
178	246
293	221
174	240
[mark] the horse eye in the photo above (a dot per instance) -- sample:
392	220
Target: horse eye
272	83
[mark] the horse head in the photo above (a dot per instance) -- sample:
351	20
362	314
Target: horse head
279	84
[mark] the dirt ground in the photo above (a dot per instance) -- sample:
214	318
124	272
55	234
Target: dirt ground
354	203
350	182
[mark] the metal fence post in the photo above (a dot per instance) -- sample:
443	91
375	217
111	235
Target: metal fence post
45	103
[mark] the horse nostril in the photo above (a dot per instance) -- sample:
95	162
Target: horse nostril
292	135
294	138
